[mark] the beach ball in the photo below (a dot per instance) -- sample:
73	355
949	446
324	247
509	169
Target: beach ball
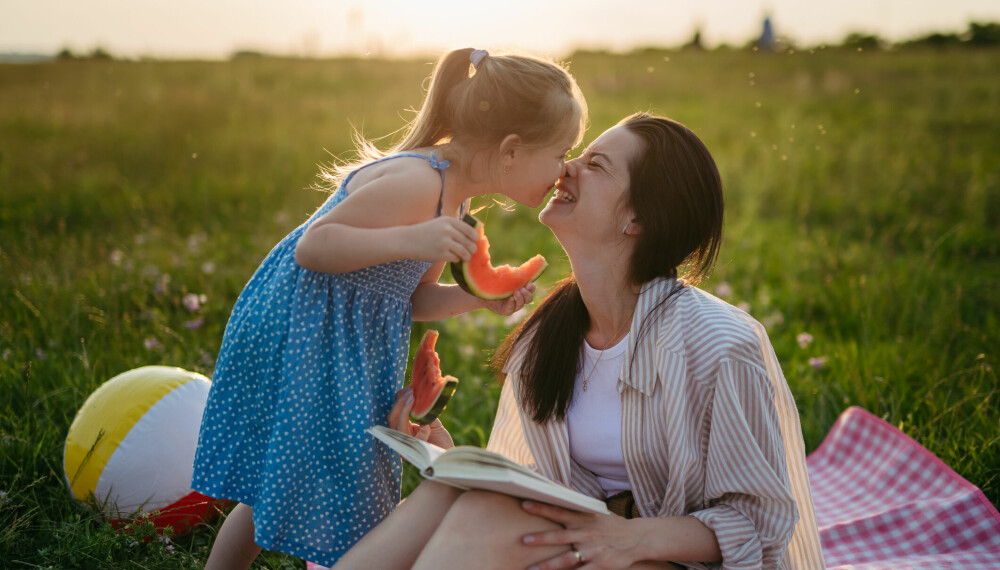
131	447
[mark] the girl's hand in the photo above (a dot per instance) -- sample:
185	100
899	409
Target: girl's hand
603	541
512	304
443	239
399	420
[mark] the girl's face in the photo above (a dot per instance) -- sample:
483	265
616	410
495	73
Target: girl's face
588	197
536	170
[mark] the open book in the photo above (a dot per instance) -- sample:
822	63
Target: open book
468	467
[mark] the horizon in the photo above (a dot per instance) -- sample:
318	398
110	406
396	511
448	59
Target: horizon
396	28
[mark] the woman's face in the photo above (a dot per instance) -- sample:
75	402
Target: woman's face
588	197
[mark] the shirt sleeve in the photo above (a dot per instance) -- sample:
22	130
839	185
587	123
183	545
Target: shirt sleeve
507	437
747	492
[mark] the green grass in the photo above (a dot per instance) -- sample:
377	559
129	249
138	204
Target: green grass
863	208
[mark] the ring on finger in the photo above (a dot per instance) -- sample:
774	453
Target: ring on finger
579	556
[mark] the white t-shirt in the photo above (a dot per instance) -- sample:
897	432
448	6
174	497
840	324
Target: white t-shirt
594	418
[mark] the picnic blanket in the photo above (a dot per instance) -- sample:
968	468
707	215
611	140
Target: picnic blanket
883	501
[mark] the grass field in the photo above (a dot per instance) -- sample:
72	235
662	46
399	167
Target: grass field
863	210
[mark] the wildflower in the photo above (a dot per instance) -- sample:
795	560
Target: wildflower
804	339
6	353
116	257
133	544
151	342
817	362
743	306
193	302
208	268
722	290
194	323
40	354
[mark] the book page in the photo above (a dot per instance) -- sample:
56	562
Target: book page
420	453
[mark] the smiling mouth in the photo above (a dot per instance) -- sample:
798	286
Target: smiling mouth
564	195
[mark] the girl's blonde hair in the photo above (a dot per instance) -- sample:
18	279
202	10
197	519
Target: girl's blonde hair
476	107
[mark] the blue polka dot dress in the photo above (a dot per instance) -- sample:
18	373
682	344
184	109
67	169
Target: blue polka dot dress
308	362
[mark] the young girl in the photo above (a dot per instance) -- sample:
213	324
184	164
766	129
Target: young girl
317	343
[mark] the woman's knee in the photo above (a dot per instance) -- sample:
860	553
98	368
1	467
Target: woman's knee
479	505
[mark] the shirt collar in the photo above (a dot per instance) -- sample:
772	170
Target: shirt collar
650	334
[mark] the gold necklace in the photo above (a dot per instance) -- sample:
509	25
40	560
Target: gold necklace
600	354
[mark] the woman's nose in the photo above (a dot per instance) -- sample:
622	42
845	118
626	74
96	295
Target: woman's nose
569	168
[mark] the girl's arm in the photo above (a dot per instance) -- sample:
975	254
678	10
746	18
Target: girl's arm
387	219
433	301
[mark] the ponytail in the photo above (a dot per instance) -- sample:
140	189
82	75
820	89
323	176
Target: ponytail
432	124
552	354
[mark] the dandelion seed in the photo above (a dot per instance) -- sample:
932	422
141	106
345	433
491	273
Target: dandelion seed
723	290
151	343
804	339
116	257
817	362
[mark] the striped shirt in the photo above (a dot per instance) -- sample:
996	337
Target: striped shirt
709	429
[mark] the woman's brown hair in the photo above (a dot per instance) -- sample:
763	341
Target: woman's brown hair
676	193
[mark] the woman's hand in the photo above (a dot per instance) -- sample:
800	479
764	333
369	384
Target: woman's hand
602	541
442	239
399	420
512	304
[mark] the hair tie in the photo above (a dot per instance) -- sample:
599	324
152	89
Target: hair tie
477	56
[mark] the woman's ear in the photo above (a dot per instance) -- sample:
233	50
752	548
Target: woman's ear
632	228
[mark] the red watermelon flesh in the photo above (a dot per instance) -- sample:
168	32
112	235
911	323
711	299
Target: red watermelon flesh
431	391
478	276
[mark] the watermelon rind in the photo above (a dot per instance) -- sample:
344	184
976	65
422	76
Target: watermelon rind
431	414
457	269
460	271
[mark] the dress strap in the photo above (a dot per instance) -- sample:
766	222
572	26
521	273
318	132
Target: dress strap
436	164
440	165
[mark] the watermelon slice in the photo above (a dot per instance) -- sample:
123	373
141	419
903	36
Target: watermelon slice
431	391
478	276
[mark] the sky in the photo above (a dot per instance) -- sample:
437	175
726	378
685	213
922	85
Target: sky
213	29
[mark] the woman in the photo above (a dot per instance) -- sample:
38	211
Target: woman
628	384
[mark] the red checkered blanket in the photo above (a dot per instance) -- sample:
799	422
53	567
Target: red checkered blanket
883	501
